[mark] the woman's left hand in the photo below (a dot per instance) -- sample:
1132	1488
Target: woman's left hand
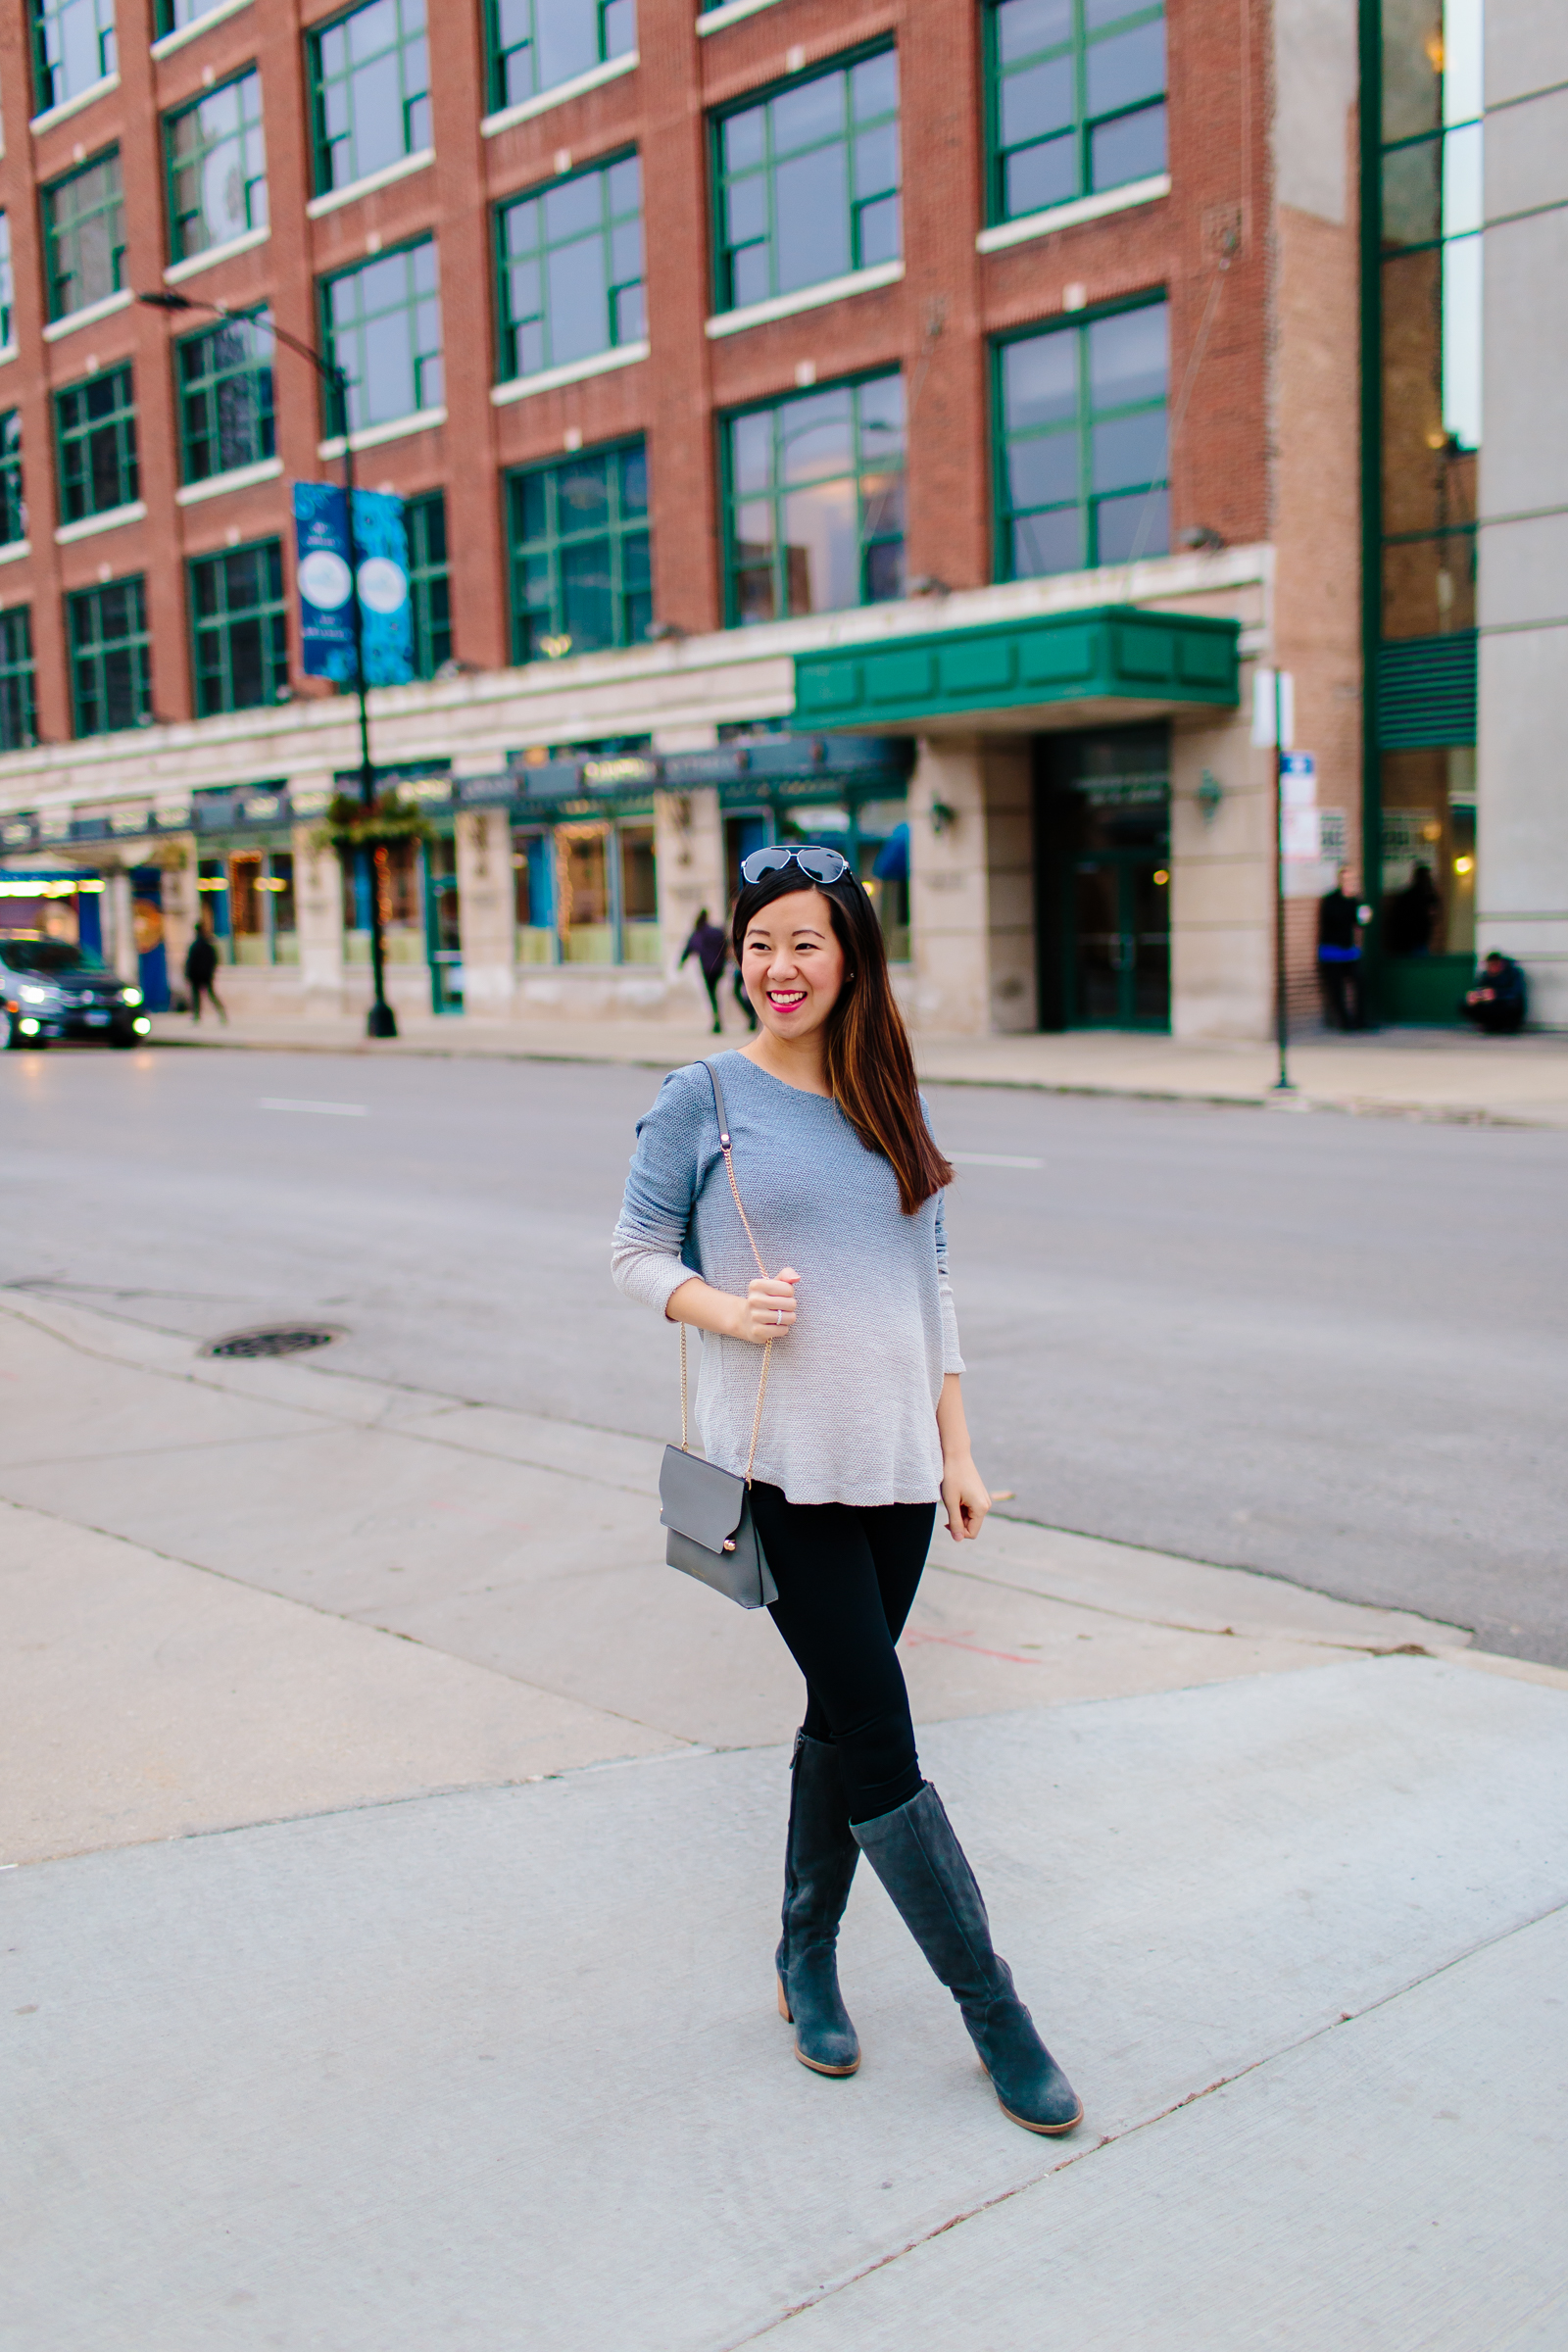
963	1498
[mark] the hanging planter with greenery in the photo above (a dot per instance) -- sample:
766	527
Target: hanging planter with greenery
353	825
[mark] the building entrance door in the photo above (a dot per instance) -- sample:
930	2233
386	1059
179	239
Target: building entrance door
1118	942
443	924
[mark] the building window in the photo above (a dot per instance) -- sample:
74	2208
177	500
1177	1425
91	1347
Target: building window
572	269
587	893
429	588
808	182
814	500
73	47
1082	445
226	397
382	323
95	421
216	164
262	925
371	91
237	619
580	574
111	680
19	710
174	15
7	288
536	44
1076	99
13	506
84	235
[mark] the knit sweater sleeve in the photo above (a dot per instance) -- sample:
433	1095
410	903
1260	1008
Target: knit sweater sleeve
951	1360
654	1247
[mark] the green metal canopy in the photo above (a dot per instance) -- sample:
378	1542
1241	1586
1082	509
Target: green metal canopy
1112	655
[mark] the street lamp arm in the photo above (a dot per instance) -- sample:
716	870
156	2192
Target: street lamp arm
330	370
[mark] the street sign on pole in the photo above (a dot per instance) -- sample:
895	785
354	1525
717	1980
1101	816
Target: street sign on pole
326	617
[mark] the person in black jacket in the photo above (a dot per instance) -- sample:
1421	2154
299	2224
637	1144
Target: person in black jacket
709	945
1339	954
201	970
1496	1003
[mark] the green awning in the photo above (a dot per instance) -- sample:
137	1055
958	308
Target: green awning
1138	663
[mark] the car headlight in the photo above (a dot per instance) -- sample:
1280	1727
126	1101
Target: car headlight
130	996
142	1027
33	996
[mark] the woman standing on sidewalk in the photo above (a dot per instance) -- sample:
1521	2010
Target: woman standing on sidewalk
864	1431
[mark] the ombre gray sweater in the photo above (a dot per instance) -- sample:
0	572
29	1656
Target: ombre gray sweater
851	1408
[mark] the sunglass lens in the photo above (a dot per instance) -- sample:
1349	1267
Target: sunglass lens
823	866
762	862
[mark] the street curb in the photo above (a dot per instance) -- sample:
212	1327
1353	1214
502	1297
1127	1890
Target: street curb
401	1048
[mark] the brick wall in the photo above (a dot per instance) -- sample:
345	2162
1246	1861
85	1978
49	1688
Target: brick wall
1202	243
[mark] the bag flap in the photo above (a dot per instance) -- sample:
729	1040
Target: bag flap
699	1499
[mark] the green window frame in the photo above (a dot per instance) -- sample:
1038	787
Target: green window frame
429	589
223	379
96	433
806	179
359	310
239	628
814	501
111	656
569	268
1075	100
7	288
173	15
19	700
72	48
13	504
577	530
534	45
84	235
215	157
370	73
1081	437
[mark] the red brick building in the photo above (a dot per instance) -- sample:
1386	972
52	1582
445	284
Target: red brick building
920	417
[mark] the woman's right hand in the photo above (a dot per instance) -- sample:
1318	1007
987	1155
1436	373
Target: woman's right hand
768	1310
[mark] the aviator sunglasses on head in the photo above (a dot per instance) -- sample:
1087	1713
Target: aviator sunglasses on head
821	866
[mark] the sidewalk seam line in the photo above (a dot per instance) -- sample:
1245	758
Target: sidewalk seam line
1112	2139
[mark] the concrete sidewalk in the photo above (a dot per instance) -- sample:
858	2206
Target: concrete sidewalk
1428	1073
388	1959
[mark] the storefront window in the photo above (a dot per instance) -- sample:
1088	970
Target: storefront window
582	874
639	896
398	877
254	891
534	873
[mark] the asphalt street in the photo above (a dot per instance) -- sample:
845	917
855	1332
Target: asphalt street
1329	1347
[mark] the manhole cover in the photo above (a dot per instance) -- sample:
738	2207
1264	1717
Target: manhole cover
274	1338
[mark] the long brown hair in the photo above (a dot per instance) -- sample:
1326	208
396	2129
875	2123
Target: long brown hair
870	1067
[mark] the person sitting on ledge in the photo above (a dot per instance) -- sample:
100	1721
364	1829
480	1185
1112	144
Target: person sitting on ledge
1496	1002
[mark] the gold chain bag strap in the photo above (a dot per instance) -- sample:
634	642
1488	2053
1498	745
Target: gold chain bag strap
706	1512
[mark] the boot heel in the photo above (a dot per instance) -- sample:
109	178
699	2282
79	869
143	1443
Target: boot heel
784	2009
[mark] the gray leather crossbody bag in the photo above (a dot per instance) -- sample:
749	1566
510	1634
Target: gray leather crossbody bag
708	1511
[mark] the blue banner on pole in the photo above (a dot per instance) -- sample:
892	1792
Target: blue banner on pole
326	617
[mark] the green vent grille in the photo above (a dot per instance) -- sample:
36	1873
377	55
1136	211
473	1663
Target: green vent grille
1426	691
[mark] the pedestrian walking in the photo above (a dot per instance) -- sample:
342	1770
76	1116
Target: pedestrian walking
201	970
709	947
1339	954
864	1431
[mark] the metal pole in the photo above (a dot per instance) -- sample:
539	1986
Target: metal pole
1282	1084
381	1021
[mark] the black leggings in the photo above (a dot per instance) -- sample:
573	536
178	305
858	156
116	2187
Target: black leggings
847	1581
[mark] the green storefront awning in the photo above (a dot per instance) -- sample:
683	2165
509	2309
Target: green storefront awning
1113	655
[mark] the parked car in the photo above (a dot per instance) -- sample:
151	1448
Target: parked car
51	989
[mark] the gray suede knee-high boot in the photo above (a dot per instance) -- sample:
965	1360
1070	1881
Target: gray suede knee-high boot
819	1861
919	1861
